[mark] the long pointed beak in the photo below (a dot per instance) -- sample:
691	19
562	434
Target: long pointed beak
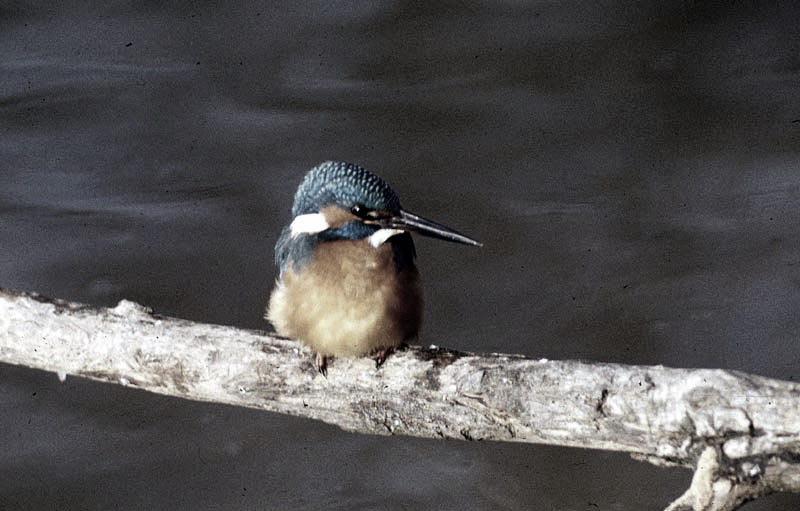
411	222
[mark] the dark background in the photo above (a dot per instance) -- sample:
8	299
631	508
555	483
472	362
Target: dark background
631	167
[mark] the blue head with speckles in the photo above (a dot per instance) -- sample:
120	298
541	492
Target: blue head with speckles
344	185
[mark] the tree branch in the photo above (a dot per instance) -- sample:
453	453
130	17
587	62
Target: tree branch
742	430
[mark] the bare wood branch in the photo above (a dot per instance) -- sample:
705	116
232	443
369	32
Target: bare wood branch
742	430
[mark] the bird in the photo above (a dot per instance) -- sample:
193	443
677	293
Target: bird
348	283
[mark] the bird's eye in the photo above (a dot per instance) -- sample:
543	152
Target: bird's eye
359	210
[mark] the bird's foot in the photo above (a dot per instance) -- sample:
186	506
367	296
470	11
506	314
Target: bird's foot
321	363
380	355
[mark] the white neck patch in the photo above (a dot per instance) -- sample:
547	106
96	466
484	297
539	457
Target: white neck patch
380	236
311	223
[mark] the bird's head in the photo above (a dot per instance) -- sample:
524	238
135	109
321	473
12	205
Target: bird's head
339	201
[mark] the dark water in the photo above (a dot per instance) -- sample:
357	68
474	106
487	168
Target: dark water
632	169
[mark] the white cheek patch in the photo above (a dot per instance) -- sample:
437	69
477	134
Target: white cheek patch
311	223
380	236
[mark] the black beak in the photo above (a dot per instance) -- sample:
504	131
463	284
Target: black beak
411	222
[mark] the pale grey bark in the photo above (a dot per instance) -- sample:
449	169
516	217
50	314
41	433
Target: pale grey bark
742	431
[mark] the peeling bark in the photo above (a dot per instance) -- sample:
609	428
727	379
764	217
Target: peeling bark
741	430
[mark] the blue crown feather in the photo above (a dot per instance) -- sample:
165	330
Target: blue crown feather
345	185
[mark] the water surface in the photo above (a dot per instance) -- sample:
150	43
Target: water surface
631	169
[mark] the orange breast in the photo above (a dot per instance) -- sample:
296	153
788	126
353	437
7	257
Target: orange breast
350	299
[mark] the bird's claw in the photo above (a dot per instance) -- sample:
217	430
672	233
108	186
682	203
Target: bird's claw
321	364
380	355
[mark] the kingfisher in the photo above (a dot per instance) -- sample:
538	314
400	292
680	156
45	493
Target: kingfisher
348	283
